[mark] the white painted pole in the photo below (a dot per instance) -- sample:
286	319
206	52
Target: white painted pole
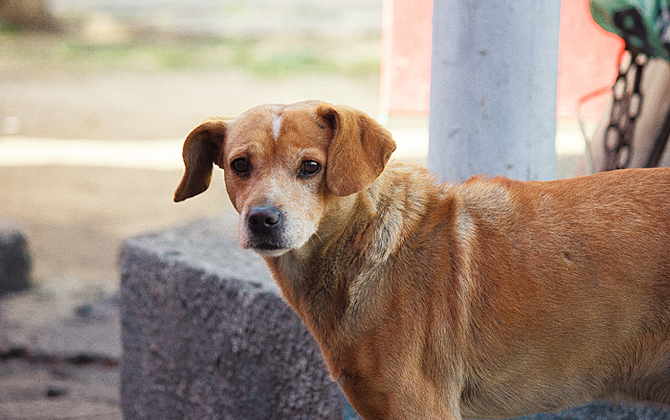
493	88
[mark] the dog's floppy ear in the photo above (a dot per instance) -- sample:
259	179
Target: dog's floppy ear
358	152
200	151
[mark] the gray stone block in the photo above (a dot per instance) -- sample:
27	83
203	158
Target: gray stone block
602	410
206	335
14	258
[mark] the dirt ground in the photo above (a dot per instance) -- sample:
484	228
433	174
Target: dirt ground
77	217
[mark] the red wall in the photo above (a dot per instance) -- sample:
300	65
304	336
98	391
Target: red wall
407	32
587	60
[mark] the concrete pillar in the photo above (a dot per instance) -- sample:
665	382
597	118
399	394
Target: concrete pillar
493	88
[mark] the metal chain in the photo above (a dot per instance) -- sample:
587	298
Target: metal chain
626	108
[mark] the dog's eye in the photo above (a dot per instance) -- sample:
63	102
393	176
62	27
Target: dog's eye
241	166
309	168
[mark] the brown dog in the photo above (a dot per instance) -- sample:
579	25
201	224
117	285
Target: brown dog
494	298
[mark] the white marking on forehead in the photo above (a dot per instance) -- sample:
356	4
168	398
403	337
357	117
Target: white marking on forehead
276	126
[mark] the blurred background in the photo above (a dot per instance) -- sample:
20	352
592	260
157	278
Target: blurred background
96	97
117	85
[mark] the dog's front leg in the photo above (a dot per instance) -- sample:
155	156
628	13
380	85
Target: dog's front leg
399	400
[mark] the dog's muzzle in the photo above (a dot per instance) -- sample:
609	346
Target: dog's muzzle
262	221
265	224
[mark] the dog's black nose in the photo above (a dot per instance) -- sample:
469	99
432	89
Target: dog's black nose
262	220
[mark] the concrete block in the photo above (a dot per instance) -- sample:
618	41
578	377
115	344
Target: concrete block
206	335
14	258
602	410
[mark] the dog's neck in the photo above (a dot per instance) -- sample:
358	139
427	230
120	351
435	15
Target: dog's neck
307	276
328	281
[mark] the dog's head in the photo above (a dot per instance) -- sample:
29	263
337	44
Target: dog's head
285	166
